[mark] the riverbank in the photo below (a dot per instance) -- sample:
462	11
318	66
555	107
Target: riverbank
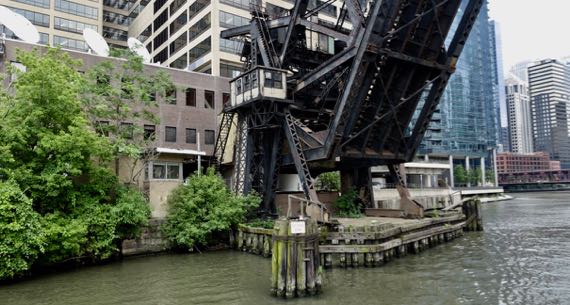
522	257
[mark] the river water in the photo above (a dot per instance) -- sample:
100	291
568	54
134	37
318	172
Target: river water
523	257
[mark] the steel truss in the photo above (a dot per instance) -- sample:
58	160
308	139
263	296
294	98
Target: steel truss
353	108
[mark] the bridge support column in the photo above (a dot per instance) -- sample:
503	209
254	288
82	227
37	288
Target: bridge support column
359	179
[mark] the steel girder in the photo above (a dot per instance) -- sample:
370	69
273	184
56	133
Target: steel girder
357	104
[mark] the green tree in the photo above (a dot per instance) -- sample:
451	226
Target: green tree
490	175
22	237
119	97
475	176
49	150
329	181
48	132
203	207
460	175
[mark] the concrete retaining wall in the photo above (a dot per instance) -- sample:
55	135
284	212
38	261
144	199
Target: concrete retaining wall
150	241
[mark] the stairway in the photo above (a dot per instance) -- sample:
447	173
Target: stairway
265	42
222	140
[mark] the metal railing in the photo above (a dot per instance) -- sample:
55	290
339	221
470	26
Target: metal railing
303	204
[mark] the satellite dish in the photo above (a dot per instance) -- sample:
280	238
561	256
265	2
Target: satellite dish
18	24
96	42
138	47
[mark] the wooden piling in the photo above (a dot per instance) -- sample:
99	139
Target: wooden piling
472	211
295	259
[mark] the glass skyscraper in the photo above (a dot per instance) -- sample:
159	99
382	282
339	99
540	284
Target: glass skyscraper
467	121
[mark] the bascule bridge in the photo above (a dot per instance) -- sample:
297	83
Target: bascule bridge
344	96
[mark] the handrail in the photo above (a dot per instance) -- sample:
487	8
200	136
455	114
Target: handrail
304	202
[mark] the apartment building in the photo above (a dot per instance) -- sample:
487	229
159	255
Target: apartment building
191	116
186	34
61	22
549	90
519	115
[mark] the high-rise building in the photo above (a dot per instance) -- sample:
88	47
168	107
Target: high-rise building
497	47
505	140
61	22
549	88
520	70
186	34
519	114
467	120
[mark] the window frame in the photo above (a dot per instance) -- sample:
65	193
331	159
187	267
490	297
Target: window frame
209	104
166	137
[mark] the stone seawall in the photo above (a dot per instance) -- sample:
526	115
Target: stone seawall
150	241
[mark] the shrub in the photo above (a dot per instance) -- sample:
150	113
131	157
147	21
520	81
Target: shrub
93	230
346	205
203	207
329	181
21	237
131	212
261	223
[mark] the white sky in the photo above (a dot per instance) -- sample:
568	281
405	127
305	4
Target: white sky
532	29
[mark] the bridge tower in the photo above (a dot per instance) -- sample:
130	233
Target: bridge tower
345	96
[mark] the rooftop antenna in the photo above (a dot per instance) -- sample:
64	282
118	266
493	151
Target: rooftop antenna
96	42
138	48
19	25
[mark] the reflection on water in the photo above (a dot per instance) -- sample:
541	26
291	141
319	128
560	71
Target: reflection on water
523	257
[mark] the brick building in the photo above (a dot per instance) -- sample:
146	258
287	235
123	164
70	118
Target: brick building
521	163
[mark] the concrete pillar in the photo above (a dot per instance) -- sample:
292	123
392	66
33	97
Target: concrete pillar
467	168
451	180
482	171
426	158
495	167
428	182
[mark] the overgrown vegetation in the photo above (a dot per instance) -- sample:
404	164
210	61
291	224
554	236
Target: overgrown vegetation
329	182
59	200
347	205
202	208
261	223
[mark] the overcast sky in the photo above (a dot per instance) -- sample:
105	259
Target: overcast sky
532	29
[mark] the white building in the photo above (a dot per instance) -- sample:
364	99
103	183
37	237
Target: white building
186	34
549	91
519	115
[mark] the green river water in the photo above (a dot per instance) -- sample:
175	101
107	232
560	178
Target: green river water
523	257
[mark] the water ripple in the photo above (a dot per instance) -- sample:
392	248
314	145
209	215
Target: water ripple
523	257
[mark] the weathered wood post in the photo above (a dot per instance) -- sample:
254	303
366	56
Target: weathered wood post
295	258
472	211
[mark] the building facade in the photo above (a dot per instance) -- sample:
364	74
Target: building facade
186	34
467	120
519	116
497	53
524	163
549	90
61	22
